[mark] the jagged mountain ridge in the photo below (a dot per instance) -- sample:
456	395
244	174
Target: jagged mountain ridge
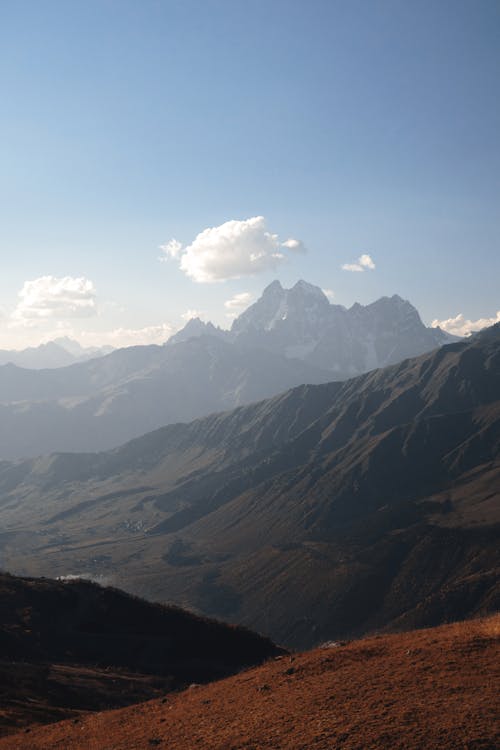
301	323
325	512
278	343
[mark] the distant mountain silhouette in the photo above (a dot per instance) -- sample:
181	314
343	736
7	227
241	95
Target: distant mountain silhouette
61	352
287	338
325	512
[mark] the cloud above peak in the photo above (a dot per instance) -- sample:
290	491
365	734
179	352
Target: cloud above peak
363	263
230	251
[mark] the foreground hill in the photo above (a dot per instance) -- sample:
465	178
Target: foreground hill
419	690
326	512
68	647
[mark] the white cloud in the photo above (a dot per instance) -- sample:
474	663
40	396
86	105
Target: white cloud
120	337
231	250
171	250
115	337
329	293
296	246
191	313
237	304
460	326
51	297
364	263
238	301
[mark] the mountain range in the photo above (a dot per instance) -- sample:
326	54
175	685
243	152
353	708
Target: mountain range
325	512
300	322
287	338
60	352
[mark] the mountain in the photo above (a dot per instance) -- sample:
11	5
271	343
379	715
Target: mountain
58	353
79	352
300	322
100	403
326	512
195	328
73	646
425	689
287	338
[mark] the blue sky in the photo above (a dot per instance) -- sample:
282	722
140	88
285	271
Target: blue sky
355	127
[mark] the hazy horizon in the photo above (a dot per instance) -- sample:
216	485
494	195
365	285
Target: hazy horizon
160	334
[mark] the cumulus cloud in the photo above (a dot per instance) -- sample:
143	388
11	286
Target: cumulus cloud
329	293
460	326
171	250
296	246
364	263
51	297
231	250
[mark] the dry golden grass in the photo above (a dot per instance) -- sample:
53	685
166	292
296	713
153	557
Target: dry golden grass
422	690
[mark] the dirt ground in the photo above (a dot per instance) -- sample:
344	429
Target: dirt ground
425	689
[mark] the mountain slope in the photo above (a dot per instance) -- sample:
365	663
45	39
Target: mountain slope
325	512
413	691
101	403
72	646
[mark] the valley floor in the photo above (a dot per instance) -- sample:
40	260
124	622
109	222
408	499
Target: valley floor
426	689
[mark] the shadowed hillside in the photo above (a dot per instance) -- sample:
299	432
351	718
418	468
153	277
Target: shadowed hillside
72	646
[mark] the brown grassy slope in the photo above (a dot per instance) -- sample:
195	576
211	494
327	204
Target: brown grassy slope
42	693
434	688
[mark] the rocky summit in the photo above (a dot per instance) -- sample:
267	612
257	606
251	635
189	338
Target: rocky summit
300	322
